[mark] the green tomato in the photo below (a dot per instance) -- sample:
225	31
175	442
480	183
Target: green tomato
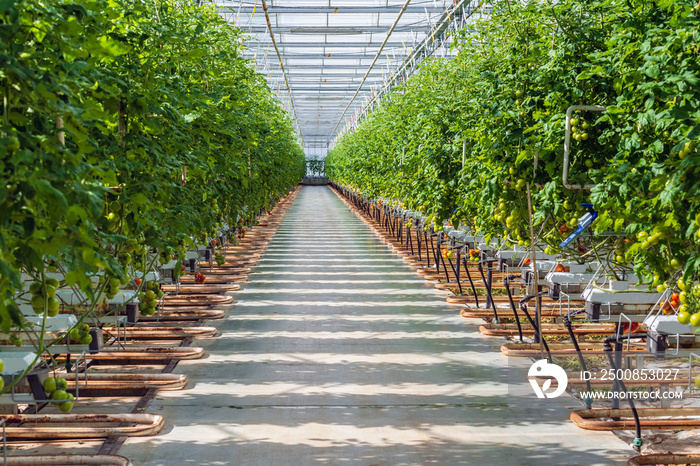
675	263
74	334
53	304
61	383
684	318
695	319
35	288
696	291
50	385
38	303
86	340
58	395
661	288
66	406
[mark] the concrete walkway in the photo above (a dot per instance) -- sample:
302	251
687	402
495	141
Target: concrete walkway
337	353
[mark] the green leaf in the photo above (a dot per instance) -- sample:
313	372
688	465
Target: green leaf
6	5
9	273
52	195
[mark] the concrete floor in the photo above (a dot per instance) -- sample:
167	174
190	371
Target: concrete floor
337	353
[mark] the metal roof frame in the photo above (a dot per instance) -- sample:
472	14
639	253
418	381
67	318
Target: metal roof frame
326	59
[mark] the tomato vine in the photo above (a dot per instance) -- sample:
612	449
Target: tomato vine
503	101
130	130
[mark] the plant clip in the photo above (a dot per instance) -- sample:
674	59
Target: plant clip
584	222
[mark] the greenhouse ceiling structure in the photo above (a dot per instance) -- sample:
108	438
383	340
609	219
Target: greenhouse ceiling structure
327	60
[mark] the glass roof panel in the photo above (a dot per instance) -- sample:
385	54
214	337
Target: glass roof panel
321	87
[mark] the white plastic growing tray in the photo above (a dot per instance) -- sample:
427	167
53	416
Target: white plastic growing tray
668	325
16	361
59	323
521	253
633	296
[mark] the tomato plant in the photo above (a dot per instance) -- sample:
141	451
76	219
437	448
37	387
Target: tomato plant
129	132
500	106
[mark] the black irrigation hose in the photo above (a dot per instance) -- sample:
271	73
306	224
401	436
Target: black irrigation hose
538	333
574	340
471	282
442	258
427	248
506	281
459	285
420	243
489	297
436	256
607	348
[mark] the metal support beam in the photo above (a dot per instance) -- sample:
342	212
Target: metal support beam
347	30
230	7
306	45
447	22
333	56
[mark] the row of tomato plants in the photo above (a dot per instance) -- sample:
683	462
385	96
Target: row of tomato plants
130	131
500	106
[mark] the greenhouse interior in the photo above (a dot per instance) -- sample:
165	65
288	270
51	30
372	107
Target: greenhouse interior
333	232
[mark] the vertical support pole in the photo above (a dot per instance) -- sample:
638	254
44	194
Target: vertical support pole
618	365
536	276
489	282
